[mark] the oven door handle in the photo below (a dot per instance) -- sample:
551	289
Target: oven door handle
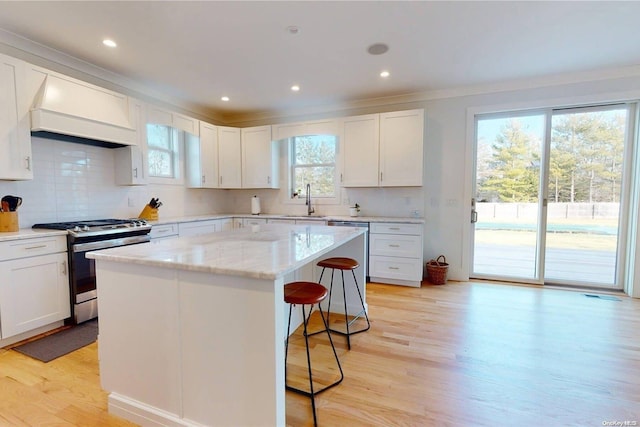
111	243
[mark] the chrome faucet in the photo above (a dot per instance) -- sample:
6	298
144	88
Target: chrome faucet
310	209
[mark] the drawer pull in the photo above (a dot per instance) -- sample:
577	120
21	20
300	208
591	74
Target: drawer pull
394	268
163	231
35	247
394	228
394	246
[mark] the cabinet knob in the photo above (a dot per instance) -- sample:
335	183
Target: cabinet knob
28	162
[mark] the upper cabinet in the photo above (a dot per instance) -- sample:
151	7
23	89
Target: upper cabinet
383	150
259	158
131	162
401	148
360	151
202	158
229	157
315	127
161	116
15	137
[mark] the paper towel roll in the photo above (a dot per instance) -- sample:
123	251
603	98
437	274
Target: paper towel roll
255	205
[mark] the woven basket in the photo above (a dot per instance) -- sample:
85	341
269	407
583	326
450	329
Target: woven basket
437	270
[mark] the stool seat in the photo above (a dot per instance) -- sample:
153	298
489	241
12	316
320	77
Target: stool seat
304	293
308	294
339	263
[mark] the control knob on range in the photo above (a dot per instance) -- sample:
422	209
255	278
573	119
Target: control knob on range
76	228
85	228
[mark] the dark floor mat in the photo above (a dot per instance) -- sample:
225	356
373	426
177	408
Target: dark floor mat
55	345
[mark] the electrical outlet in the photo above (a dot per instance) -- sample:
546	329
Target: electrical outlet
131	202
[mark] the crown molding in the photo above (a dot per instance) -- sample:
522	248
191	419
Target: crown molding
55	60
47	57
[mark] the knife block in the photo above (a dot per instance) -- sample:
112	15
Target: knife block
9	222
149	213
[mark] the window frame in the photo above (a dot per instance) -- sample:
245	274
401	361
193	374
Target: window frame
176	137
291	167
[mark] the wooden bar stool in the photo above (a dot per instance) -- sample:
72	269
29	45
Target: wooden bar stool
308	293
343	264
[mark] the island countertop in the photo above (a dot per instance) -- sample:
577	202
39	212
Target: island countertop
261	252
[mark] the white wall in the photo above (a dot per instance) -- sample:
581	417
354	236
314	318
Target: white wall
448	151
75	181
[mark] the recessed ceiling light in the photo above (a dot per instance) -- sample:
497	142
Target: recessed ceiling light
293	29
295	88
225	98
384	74
109	42
377	49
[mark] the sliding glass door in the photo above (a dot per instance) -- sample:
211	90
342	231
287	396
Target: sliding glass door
549	195
507	196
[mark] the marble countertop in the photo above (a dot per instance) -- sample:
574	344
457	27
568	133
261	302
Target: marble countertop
28	233
193	218
261	251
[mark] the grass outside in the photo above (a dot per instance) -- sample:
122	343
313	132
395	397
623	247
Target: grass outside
554	240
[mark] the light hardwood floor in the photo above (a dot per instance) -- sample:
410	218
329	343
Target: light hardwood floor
462	354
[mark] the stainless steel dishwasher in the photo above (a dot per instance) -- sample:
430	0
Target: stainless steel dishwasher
361	224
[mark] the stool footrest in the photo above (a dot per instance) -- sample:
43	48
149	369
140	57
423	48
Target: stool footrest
308	394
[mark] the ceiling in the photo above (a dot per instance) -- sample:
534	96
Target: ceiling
197	52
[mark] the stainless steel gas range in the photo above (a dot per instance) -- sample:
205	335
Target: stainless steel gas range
86	236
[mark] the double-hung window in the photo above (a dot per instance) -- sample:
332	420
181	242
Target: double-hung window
163	152
313	162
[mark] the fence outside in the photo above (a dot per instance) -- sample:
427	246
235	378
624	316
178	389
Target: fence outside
509	211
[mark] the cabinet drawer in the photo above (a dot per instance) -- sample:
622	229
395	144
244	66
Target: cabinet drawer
395	268
23	248
396	245
164	230
253	221
395	228
196	228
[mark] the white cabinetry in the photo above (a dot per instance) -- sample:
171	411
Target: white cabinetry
259	158
195	228
395	253
281	221
131	161
34	290
164	231
361	142
229	157
383	150
15	137
317	127
160	116
202	158
311	222
248	222
401	148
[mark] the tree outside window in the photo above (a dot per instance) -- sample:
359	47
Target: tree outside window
162	151
313	161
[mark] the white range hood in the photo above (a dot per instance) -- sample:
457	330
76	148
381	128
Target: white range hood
76	111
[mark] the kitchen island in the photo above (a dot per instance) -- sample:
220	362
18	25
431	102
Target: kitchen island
192	329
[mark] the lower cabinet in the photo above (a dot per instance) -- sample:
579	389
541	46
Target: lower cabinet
196	228
34	290
164	231
248	222
395	253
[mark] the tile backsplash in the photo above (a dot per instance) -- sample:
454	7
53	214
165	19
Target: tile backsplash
76	181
